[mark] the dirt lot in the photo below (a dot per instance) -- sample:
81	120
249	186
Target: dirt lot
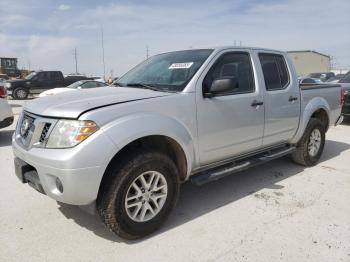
275	212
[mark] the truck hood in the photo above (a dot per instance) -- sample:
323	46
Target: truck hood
14	81
73	104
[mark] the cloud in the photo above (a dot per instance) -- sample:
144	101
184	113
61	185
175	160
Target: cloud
129	26
64	7
44	52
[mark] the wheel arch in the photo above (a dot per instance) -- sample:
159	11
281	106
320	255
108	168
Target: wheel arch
316	108
158	143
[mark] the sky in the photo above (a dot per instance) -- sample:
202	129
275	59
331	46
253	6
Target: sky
43	34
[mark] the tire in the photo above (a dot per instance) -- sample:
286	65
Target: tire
20	93
111	202
303	155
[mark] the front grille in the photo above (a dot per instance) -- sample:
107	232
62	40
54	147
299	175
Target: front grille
44	133
33	130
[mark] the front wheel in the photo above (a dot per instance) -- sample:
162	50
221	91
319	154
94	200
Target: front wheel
310	146
20	93
138	194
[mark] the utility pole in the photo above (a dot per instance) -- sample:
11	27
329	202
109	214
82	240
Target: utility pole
76	60
103	55
147	52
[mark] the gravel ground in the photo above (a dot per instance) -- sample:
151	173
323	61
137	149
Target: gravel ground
275	212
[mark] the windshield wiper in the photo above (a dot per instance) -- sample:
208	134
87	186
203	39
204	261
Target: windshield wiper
144	86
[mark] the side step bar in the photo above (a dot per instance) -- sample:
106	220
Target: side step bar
239	165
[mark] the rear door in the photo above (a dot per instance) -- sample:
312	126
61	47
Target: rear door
231	123
282	98
56	79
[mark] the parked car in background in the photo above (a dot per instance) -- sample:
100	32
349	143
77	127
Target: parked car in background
3	77
6	115
323	76
309	80
83	84
335	79
39	81
194	115
70	79
345	84
98	78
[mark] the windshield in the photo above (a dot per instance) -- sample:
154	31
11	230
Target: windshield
75	84
165	72
31	75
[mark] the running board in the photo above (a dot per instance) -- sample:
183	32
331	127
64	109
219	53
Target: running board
239	165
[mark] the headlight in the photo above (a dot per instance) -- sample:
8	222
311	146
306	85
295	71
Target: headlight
69	133
7	85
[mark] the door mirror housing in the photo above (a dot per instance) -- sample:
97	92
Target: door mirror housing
222	86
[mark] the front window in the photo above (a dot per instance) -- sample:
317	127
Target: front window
31	75
166	72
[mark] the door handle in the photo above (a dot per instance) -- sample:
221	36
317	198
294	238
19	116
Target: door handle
292	98
256	103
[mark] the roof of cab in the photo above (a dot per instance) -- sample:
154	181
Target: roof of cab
248	47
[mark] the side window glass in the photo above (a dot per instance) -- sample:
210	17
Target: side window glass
89	85
275	71
308	81
55	76
232	65
42	76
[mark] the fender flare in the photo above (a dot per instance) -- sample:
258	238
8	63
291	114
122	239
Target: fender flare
312	106
127	129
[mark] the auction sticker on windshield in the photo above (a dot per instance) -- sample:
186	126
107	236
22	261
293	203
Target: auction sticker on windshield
181	65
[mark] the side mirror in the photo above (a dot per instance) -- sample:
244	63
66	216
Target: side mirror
222	86
79	87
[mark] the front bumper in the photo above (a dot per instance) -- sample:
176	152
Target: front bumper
79	169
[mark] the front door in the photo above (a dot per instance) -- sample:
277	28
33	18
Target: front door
40	82
230	123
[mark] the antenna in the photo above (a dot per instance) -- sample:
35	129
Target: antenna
103	54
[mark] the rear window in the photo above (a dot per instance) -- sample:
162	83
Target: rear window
275	71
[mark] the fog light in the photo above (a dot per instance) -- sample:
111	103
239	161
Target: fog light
59	185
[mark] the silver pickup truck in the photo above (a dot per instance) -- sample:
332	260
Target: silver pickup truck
194	115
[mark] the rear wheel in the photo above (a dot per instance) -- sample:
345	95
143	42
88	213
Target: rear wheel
138	194
310	146
20	93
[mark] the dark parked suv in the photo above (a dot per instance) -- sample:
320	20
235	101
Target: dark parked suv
345	83
38	82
